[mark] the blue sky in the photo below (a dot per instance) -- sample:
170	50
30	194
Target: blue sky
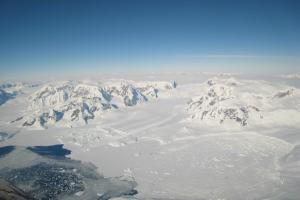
120	35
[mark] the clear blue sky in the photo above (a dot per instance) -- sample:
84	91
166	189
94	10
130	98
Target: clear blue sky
119	35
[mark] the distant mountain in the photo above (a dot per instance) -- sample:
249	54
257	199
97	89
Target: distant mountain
229	100
224	101
80	102
9	89
289	76
5	96
16	85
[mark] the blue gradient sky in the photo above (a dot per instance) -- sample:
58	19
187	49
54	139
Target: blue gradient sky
119	35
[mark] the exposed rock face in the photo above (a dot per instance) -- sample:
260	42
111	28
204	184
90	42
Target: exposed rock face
283	94
239	114
5	136
29	122
132	95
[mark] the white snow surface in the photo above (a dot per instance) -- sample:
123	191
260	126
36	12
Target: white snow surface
212	137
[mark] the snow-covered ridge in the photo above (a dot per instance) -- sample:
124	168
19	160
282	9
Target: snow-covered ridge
16	85
5	96
290	76
80	101
10	89
240	102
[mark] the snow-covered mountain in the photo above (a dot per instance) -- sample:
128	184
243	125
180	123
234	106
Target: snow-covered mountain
80	102
5	96
212	130
239	102
10	89
16	85
290	76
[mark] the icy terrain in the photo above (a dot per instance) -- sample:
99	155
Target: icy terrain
177	135
42	172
